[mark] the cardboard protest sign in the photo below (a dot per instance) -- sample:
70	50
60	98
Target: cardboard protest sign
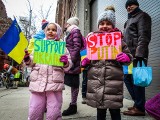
103	46
48	52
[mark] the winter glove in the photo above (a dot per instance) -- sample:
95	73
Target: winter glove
122	57
64	59
85	62
26	56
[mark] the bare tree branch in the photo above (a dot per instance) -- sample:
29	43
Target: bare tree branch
41	12
47	14
34	15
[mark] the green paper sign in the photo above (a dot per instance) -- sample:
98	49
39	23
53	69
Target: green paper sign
48	52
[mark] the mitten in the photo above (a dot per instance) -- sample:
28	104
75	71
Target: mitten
64	59
85	62
122	57
26	56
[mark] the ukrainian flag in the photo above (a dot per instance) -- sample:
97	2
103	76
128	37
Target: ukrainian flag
128	69
83	54
13	42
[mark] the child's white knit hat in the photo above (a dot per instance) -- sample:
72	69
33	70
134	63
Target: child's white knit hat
73	21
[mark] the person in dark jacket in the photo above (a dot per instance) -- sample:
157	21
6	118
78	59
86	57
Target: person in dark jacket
73	40
105	77
84	84
137	35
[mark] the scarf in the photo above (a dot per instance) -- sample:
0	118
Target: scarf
68	31
134	12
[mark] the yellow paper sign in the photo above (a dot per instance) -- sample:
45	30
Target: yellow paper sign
48	52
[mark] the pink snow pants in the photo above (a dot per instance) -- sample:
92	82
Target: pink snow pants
40	101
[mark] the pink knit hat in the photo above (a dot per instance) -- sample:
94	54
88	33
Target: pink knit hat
59	30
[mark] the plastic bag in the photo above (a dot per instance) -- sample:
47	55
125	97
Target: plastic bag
142	76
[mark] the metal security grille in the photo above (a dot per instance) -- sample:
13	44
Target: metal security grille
99	6
152	8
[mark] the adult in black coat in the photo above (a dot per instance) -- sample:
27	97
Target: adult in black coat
137	35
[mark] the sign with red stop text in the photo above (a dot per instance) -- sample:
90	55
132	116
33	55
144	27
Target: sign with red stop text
103	46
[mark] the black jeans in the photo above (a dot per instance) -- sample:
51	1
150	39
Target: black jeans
137	93
115	114
84	84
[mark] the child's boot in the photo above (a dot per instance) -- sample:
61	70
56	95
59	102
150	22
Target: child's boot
70	111
83	100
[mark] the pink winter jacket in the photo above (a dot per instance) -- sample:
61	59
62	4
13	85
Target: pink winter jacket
47	77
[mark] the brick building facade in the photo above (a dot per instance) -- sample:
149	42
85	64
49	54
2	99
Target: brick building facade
5	22
65	9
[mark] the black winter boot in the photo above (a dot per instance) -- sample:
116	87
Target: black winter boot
70	111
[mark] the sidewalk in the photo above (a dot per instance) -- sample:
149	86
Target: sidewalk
86	112
14	106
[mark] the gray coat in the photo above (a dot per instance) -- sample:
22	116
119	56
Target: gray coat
105	83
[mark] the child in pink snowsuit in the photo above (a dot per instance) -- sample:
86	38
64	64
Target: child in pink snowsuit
47	82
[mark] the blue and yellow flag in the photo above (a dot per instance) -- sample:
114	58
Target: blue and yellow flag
83	54
13	42
128	69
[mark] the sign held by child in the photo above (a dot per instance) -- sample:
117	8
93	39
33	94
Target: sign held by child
103	45
48	52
